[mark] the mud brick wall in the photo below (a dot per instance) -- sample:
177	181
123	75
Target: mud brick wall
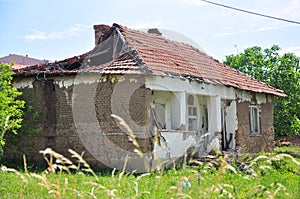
40	97
256	143
78	116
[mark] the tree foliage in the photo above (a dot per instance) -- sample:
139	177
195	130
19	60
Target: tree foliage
10	106
280	71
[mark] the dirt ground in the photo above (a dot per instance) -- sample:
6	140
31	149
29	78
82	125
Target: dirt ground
288	141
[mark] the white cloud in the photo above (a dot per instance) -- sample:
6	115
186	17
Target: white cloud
269	28
224	34
39	35
291	49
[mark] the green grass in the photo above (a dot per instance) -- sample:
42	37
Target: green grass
292	150
265	176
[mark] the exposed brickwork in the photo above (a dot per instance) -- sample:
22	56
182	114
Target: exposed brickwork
264	141
78	116
94	131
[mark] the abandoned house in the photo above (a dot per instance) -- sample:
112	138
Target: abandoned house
172	96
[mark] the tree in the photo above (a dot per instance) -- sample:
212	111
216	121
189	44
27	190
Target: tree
11	112
280	71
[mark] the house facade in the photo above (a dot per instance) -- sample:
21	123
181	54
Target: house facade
173	98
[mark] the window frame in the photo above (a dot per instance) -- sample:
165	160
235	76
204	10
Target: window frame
193	115
254	120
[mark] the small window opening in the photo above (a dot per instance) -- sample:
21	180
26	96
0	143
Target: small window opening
254	120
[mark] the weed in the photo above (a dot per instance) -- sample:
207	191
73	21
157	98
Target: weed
265	176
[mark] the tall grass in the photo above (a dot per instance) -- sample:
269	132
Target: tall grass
274	175
264	176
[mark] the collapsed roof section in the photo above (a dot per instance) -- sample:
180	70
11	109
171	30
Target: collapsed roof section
120	50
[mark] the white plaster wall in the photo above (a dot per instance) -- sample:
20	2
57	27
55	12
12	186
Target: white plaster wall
164	97
261	98
66	81
192	87
175	112
23	83
243	96
161	97
214	115
183	106
201	100
175	107
176	145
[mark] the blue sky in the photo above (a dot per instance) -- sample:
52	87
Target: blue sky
58	29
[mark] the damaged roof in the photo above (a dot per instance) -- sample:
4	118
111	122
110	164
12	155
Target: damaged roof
120	50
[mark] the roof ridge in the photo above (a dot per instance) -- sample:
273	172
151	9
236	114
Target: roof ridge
163	37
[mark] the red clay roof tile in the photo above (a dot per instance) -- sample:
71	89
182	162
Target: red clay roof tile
163	56
153	54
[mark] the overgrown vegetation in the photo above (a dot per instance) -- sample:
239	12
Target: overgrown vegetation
10	107
274	175
280	71
30	126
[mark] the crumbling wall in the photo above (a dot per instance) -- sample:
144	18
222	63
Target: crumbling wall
77	115
264	142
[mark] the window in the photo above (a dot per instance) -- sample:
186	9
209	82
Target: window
192	114
254	120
